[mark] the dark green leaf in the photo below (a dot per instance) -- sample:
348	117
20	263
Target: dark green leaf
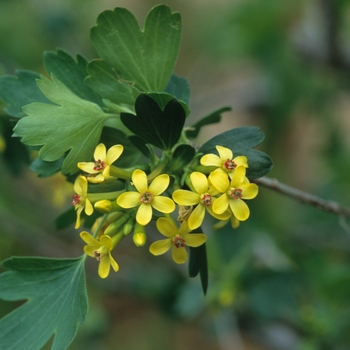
141	145
56	302
162	98
70	73
18	91
161	128
182	156
198	264
211	118
241	141
104	80
44	169
146	57
179	88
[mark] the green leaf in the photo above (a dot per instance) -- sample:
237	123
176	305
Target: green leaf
141	145
162	98
198	263
161	128
44	169
72	125
70	73
182	156
179	88
241	141
104	80
211	118
56	297
18	91
146	57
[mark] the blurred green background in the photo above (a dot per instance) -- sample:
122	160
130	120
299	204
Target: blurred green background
282	279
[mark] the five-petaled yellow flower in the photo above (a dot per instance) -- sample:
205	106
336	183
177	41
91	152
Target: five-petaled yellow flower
224	161
203	198
233	192
101	166
80	198
101	250
147	197
176	239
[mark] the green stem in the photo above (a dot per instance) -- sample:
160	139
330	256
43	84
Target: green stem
95	197
99	226
159	169
120	173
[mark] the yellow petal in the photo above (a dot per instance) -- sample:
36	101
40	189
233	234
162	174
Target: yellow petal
211	160
197	216
249	191
163	204
89	209
224	216
129	199
240	209
184	197
144	214
166	227
199	182
139	180
241	160
88	239
224	153
104	267
79	210
179	255
160	247
106	241
88	167
195	239
159	184
80	185
221	204
100	152
114	153
238	176
89	250
219	180
113	263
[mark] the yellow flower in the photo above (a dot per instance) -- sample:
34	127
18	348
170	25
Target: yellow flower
224	161
80	199
176	239
233	192
101	250
101	167
203	198
147	197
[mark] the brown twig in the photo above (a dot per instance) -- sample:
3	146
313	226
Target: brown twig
304	197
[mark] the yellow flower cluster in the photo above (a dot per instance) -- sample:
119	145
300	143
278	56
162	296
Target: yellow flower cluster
221	193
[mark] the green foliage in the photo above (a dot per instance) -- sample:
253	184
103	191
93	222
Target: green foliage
182	156
20	90
56	302
146	57
73	125
161	128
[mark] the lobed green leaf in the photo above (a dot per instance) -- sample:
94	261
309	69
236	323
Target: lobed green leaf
56	303
146	58
72	125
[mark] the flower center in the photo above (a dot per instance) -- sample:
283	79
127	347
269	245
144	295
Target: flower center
146	197
97	255
179	242
99	165
75	199
229	164
206	199
235	193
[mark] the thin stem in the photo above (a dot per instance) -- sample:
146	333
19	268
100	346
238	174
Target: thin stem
304	197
